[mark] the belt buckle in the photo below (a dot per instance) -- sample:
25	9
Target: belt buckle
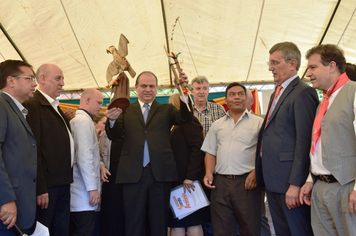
230	176
325	178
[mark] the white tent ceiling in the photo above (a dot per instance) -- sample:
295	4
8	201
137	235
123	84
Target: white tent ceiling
227	40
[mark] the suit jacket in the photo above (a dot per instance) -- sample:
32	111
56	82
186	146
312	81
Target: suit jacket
186	141
338	136
18	163
86	169
131	127
286	139
53	143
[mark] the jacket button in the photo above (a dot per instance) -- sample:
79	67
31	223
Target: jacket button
33	145
34	180
34	162
145	132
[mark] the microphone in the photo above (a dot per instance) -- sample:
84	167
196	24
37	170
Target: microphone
18	231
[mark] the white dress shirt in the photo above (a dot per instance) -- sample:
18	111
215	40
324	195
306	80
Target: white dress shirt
316	160
233	145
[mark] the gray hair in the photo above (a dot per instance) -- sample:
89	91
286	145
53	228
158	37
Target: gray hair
200	79
290	51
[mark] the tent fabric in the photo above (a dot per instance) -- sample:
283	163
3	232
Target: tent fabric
227	41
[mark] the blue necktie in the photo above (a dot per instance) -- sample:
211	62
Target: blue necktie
146	154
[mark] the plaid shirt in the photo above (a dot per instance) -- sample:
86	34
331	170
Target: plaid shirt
209	114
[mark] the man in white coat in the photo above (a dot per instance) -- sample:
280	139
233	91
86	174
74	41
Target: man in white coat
86	169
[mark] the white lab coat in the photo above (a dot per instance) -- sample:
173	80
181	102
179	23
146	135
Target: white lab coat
86	168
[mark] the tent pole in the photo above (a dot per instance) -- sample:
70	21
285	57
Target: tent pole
13	43
326	30
167	40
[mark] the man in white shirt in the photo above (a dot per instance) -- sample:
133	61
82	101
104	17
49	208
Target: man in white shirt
230	148
330	188
85	188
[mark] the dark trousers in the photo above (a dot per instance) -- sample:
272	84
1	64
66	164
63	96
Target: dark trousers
146	205
231	203
7	232
286	221
82	223
56	216
112	216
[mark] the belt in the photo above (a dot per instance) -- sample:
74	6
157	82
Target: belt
327	178
235	176
148	165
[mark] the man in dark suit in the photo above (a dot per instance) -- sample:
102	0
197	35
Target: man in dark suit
147	166
282	162
55	149
18	154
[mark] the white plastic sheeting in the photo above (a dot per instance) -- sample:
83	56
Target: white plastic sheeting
228	39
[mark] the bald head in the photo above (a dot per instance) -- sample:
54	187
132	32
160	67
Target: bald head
249	99
91	101
50	79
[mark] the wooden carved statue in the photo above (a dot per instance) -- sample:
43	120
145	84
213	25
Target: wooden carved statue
120	84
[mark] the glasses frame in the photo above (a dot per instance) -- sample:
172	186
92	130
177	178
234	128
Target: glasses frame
29	77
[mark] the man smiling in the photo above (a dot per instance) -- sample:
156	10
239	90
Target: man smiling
332	155
207	112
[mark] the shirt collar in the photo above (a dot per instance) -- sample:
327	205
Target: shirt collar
143	103
18	104
81	109
205	108
245	113
288	81
53	102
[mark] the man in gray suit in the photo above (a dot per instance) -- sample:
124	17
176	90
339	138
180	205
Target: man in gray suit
333	151
18	152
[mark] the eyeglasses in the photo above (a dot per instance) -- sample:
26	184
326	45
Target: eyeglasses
31	78
273	63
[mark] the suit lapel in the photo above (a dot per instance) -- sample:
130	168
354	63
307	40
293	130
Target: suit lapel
285	93
153	109
44	102
17	112
138	111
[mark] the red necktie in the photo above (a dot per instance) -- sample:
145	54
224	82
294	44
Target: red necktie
272	104
343	79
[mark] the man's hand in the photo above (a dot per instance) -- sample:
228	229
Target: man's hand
43	200
305	193
208	181
188	185
8	214
70	114
250	182
183	82
352	202
292	197
113	113
104	173
94	198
